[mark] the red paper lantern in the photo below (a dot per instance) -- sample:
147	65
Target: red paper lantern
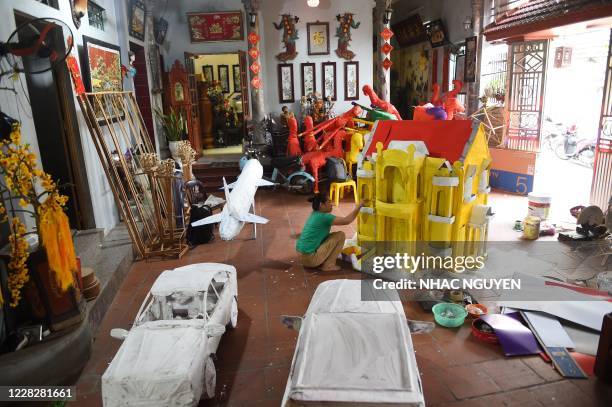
253	53
255	68
256	82
387	48
387	63
253	38
386	34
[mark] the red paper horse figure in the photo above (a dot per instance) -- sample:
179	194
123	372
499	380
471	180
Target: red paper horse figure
441	108
379	103
331	145
310	143
451	104
293	143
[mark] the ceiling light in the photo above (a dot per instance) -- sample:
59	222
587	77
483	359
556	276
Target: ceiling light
312	3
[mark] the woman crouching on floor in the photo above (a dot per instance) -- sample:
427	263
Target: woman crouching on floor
317	246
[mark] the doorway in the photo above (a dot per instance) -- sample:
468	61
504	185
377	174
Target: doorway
575	77
223	107
54	114
141	89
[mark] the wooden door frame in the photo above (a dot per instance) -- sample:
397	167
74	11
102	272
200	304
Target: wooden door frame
244	81
74	148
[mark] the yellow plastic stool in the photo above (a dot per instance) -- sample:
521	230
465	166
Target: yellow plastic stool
336	191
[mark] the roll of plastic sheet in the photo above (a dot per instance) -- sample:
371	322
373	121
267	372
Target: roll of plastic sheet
480	214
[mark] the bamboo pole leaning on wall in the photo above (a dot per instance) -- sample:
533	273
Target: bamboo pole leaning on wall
142	185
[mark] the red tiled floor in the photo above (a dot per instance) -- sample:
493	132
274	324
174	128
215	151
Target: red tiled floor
253	360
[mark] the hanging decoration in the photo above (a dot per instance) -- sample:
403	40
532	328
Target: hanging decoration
387	48
386	35
75	73
254	53
253	38
290	34
344	35
255	68
387	63
256	82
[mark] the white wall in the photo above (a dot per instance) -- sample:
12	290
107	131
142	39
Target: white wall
327	10
102	199
177	38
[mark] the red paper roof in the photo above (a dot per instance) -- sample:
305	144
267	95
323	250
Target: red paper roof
538	15
443	138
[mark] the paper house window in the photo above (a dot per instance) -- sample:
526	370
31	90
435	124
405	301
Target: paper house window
96	15
468	184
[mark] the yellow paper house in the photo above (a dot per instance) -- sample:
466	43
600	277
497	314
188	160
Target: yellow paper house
426	181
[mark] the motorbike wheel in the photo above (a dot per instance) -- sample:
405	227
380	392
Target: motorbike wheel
560	152
587	156
302	184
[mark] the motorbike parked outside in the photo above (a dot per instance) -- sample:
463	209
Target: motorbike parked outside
565	142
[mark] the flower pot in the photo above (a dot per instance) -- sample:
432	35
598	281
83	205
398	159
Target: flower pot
173	146
47	304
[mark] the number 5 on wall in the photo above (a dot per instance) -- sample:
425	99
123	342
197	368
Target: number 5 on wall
521	186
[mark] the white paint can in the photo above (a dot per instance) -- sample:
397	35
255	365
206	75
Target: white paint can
539	205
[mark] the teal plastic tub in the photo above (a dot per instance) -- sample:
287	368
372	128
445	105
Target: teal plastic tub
449	315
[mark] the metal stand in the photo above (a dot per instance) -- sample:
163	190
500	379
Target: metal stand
254	224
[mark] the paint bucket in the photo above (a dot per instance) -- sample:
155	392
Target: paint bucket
531	228
539	205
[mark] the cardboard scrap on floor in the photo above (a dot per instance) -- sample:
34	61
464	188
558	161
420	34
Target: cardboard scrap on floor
515	338
580	305
548	329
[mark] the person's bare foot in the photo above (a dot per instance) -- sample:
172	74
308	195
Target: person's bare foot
335	267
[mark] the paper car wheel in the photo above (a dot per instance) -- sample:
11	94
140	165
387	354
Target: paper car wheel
233	321
210	377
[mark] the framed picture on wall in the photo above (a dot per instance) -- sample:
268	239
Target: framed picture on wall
318	38
469	72
236	78
101	64
436	33
309	79
351	80
208	72
137	19
329	80
285	83
216	26
223	75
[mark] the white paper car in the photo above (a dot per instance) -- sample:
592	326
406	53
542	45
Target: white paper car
351	352
166	358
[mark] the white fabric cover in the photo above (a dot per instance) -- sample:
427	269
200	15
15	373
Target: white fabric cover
353	352
160	363
188	279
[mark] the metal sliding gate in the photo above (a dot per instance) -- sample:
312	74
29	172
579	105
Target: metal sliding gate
527	79
601	187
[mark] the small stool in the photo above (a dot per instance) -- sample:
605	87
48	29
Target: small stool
336	190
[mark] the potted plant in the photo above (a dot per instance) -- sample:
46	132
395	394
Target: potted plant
42	270
174	126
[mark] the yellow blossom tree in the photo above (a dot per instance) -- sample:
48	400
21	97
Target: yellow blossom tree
37	196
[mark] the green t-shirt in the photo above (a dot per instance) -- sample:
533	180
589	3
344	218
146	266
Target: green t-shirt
315	232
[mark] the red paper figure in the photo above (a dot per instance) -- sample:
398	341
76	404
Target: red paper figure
379	103
290	34
310	143
293	143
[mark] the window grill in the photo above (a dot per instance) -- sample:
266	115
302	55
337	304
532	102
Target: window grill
494	75
50	3
96	15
